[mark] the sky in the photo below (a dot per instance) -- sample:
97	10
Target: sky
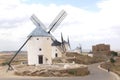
88	22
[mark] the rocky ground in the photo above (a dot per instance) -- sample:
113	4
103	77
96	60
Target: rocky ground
56	70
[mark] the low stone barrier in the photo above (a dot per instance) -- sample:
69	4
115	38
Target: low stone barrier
52	71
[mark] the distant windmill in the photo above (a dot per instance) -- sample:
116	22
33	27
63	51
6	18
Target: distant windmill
69	42
40	41
65	44
80	47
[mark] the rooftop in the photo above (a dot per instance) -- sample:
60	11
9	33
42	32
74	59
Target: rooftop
38	31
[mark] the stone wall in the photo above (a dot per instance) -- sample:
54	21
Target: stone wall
52	71
101	50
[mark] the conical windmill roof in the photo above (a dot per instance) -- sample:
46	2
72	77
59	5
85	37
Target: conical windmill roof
39	32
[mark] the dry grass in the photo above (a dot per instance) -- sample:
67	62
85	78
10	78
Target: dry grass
5	58
115	67
78	58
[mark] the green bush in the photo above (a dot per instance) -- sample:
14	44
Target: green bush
113	53
112	60
72	72
5	63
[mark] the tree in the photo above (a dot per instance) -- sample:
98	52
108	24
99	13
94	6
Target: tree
113	53
112	60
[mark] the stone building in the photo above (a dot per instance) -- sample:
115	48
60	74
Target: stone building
101	49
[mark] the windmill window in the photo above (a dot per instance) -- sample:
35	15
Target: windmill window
37	38
40	49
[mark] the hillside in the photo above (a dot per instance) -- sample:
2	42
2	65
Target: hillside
78	58
115	67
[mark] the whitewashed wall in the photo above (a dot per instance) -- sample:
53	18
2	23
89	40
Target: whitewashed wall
54	51
34	44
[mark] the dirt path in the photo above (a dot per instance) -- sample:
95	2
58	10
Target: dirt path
4	73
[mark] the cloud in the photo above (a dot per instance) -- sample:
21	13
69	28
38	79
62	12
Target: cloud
85	27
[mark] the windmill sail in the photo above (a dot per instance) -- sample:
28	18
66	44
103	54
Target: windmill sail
63	44
37	22
80	48
9	63
57	21
69	43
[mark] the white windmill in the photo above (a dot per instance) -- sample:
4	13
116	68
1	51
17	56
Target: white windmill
42	46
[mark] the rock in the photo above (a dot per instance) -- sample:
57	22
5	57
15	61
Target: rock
26	73
65	74
57	74
66	66
58	70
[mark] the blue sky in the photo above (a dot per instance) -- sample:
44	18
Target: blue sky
85	4
88	22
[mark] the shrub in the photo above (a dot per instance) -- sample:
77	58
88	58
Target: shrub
113	53
72	72
112	60
4	63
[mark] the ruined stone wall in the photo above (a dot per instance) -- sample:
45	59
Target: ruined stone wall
101	50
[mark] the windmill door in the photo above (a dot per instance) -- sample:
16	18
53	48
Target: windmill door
40	59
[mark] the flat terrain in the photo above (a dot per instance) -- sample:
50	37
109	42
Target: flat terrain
6	56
